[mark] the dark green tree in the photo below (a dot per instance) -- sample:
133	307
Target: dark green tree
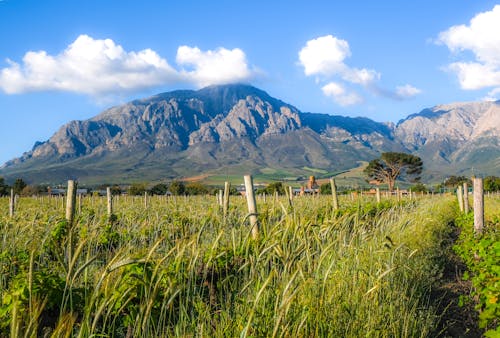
4	188
18	186
115	189
271	188
391	166
491	183
137	189
453	181
159	189
177	188
325	189
419	187
196	188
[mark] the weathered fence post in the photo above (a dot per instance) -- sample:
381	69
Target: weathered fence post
398	194
220	198
225	207
252	207
377	194
145	200
334	194
110	201
460	198
290	195
466	198
79	203
478	206
12	203
71	201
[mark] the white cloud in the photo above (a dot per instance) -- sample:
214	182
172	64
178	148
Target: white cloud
493	95
102	67
482	39
213	67
325	57
87	66
407	91
341	95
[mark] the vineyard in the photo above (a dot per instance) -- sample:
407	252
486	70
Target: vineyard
176	266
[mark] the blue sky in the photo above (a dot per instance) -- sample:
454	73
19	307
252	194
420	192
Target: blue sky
69	60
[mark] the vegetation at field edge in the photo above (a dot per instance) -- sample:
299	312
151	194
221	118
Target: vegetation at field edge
178	268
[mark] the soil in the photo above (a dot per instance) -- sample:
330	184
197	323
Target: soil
456	321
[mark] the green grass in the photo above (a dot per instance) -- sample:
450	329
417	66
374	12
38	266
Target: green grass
178	268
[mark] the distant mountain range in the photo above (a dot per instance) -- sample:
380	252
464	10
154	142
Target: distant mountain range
239	128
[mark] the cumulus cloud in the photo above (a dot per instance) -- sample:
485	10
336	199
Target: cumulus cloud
102	67
341	95
325	57
213	67
481	38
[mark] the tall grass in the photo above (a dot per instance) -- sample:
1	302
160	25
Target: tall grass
177	269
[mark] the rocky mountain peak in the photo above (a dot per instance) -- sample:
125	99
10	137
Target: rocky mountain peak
189	132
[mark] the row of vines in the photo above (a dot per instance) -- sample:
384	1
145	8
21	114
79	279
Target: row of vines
179	268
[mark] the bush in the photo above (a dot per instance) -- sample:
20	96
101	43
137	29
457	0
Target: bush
177	188
196	188
137	189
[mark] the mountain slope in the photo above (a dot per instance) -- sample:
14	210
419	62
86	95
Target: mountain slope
239	128
187	132
459	136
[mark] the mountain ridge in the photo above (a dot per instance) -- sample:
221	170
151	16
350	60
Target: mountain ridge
187	132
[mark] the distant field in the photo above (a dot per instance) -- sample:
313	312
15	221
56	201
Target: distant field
349	179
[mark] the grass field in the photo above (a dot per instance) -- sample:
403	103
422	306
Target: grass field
177	267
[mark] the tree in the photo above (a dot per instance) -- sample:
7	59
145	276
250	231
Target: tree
4	188
325	189
419	187
196	188
19	185
159	189
391	166
115	190
31	190
454	181
137	189
272	188
491	184
177	188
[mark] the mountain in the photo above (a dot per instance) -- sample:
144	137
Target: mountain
461	137
239	128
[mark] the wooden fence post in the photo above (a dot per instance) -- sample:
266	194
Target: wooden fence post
478	206
460	198
145	200
466	198
110	201
377	194
252	207
71	201
225	207
334	194
290	195
79	203
12	203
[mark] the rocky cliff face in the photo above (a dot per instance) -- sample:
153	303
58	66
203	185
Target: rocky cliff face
455	135
187	132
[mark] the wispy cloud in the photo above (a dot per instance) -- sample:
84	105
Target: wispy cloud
481	38
325	56
100	67
341	95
